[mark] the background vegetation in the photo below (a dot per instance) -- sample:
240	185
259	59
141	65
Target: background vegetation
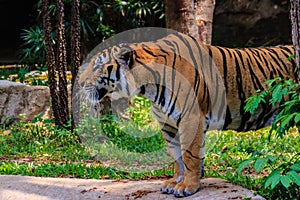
98	20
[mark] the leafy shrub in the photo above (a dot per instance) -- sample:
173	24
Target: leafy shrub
33	47
282	92
284	179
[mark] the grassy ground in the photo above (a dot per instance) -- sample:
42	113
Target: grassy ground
40	149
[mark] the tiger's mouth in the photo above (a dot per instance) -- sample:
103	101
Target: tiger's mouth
101	93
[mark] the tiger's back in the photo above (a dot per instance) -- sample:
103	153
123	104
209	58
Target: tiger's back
244	71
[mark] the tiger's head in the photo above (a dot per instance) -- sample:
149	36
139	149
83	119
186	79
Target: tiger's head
107	74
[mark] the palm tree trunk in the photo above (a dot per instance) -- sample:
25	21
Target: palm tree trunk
295	20
50	61
204	11
75	57
61	63
180	16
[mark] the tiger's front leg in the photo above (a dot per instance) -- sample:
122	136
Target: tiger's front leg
171	136
169	185
187	175
190	183
192	145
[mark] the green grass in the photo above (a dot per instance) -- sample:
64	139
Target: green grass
40	149
117	149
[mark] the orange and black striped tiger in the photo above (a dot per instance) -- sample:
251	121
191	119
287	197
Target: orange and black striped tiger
190	91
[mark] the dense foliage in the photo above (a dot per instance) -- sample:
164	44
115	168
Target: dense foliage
99	20
283	93
284	179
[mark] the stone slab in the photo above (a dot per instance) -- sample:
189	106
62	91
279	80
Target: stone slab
37	188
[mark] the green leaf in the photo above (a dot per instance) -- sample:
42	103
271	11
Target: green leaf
252	103
260	163
276	95
243	164
271	82
285	181
273	179
297	118
296	167
273	158
292	56
286	120
294	176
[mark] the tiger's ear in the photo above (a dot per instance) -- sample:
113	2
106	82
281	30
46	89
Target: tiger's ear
123	56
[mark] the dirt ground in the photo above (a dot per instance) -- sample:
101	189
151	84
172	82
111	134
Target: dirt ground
36	188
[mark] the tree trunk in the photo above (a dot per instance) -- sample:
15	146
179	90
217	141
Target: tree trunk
56	65
75	57
180	16
50	61
295	20
204	11
61	63
75	39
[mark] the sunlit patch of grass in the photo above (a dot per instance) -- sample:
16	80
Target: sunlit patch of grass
113	156
131	145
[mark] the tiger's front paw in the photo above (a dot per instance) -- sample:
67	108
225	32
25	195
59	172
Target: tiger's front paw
183	189
168	186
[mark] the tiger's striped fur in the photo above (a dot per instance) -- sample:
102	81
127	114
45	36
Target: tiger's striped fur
181	91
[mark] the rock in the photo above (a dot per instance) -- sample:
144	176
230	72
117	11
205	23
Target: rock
17	98
37	188
244	23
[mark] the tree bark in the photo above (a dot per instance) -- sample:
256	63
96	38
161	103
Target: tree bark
75	57
61	63
204	11
50	61
180	16
75	39
295	21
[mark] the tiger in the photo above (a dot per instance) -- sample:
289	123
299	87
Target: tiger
181	89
